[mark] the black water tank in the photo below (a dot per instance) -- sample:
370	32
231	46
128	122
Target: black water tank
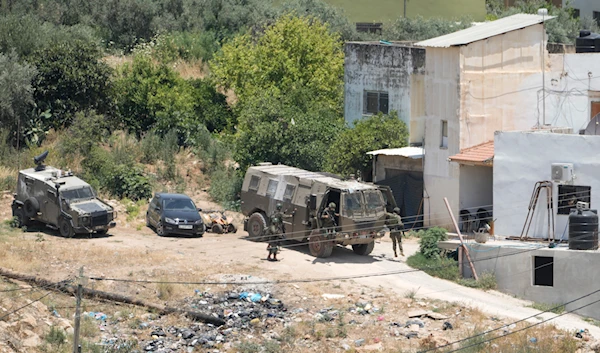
587	42
583	229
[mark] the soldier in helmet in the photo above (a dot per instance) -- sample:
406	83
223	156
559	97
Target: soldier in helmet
276	231
394	221
328	218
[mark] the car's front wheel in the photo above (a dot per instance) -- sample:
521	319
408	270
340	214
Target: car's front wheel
160	229
65	228
22	219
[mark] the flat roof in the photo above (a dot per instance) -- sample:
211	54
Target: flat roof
50	176
485	30
328	179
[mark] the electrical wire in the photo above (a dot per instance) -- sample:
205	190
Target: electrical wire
24	306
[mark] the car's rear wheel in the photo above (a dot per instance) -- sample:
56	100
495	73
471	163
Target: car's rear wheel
217	229
256	226
160	229
363	249
318	245
65	228
23	221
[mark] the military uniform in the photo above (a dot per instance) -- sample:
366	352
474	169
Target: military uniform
275	232
328	218
396	228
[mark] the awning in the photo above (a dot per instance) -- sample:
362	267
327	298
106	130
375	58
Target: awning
477	155
409	152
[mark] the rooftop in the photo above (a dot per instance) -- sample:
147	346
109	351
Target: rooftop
485	30
482	154
51	176
410	152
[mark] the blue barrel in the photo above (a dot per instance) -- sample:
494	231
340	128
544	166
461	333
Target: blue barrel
583	229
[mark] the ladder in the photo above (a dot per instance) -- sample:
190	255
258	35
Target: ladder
539	186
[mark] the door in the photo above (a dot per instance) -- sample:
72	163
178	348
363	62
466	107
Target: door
595	109
50	207
388	197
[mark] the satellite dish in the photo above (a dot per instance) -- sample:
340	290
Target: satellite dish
593	127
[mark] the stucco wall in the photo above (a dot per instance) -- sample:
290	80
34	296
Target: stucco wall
476	188
499	84
442	94
398	70
585	7
524	158
513	267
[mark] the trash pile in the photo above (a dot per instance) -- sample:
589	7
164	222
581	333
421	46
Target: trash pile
244	312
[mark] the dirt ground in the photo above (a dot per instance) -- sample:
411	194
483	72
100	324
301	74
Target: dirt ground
132	251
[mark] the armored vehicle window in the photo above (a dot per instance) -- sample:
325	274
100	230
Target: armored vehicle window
51	194
254	182
374	201
289	192
76	194
272	187
353	204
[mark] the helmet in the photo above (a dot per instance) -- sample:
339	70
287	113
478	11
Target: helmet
397	210
332	205
279	206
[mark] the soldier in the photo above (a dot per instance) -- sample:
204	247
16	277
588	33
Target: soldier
328	218
276	231
396	228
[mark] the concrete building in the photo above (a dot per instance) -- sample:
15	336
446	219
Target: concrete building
588	8
479	80
381	77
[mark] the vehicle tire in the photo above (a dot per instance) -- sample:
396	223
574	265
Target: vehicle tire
256	226
160	230
318	246
102	231
217	229
31	207
363	249
23	221
231	229
65	228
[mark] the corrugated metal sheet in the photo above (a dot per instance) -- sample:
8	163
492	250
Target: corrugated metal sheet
284	170
485	30
410	152
480	154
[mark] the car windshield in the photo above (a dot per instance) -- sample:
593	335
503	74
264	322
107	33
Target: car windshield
85	192
353	204
179	204
374	201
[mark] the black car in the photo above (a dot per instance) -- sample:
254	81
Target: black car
174	214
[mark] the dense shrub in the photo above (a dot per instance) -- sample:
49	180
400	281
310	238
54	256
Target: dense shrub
428	243
225	187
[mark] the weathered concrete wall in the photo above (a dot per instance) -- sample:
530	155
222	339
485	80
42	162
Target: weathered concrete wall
476	188
514	270
442	103
585	7
395	162
398	70
499	84
524	158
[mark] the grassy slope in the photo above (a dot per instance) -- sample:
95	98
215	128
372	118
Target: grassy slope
382	10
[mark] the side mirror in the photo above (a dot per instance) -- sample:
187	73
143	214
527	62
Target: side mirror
199	209
312	202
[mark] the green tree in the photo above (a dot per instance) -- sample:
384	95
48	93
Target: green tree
294	129
227	18
348	154
71	78
335	17
16	94
293	53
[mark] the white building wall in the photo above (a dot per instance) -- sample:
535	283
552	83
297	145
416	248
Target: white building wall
524	158
441	176
585	7
397	70
476	188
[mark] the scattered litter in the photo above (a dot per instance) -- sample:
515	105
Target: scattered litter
333	296
533	340
418	322
359	342
447	326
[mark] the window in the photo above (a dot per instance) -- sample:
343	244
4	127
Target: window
272	187
375	102
289	192
254	182
597	17
353	204
444	133
569	195
543	271
576	13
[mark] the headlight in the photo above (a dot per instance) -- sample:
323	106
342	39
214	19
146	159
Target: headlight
85	220
199	221
169	220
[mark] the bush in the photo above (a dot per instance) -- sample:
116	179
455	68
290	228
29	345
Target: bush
56	337
225	187
130	182
487	281
438	266
428	242
87	130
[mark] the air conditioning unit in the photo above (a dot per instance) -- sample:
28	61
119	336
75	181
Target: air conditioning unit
562	171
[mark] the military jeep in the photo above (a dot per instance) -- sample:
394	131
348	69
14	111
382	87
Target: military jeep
60	200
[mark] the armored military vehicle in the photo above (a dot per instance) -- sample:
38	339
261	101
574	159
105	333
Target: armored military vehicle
60	200
359	213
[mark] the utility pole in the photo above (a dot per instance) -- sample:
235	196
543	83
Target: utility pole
543	13
405	8
76	346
